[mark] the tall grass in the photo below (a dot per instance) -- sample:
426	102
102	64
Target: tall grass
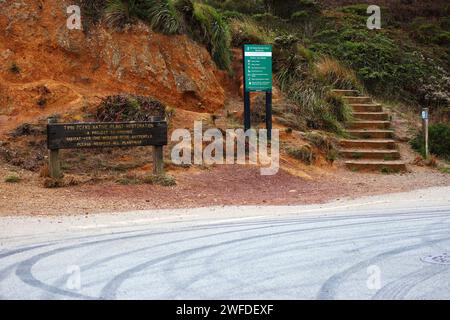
335	74
214	32
160	14
245	30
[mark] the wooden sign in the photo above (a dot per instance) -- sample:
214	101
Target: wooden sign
105	135
100	135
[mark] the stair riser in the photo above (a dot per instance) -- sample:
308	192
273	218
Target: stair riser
368	145
374	117
358	99
384	168
372	135
380	126
370	155
369	108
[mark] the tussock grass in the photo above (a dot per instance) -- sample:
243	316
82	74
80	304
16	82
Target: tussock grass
335	74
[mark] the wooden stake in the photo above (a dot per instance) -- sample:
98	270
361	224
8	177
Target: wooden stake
54	164
158	162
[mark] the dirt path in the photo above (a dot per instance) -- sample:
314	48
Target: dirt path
220	185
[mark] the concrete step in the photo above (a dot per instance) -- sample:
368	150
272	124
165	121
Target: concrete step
392	166
388	154
369	125
377	116
366	107
372	134
345	93
355	99
379	144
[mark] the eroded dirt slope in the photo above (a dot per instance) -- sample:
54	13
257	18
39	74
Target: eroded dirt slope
47	68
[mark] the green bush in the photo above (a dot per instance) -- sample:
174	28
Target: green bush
339	108
163	16
285	8
304	154
12	178
14	68
356	9
382	65
439	141
162	180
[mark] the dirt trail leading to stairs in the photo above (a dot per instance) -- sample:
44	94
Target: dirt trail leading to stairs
221	185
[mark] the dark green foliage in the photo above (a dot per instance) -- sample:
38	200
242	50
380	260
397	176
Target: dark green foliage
439	141
160	14
285	8
304	154
426	31
341	110
208	26
245	31
12	178
246	7
321	141
14	68
162	180
382	65
92	11
129	108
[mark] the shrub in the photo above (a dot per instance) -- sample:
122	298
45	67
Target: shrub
339	108
162	180
129	108
160	14
14	68
268	20
209	27
244	7
382	65
321	141
356	9
285	8
118	13
439	140
163	17
12	178
215	33
304	154
427	32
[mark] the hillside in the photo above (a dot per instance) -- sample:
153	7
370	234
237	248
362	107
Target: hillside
183	58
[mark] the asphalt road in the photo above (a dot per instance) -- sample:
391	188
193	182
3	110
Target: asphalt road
385	247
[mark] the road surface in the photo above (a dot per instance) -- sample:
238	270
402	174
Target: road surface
383	247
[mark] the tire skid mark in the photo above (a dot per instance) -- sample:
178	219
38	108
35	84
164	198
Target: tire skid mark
398	289
329	288
110	289
23	270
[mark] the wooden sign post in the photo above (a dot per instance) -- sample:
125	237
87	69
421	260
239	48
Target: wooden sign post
54	165
105	135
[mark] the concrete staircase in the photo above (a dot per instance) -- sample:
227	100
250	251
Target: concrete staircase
371	146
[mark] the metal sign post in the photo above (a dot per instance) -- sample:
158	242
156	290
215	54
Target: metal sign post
425	117
258	78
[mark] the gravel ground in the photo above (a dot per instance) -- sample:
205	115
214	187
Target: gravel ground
220	185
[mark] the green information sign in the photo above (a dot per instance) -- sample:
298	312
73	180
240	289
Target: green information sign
258	67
